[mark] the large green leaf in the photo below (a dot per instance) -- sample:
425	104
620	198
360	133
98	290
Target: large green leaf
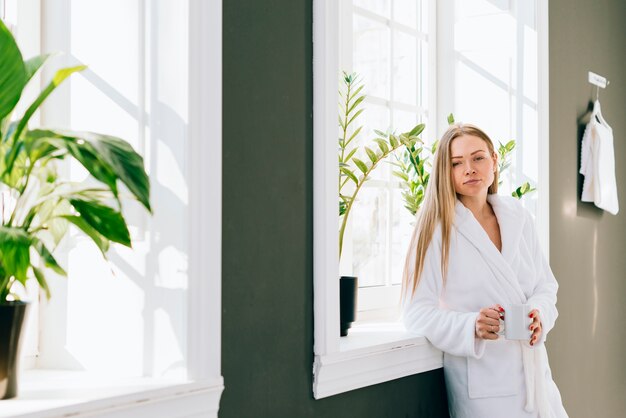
41	279
58	78
12	72
104	219
107	158
99	240
43	143
47	213
12	178
126	163
34	64
47	257
14	252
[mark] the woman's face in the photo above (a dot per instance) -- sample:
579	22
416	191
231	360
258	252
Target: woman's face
472	166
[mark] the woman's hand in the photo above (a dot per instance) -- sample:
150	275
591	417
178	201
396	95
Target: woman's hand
488	322
535	327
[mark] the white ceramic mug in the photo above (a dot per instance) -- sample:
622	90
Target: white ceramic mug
517	322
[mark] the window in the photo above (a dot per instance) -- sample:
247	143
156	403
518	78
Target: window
420	61
494	82
388	44
153	314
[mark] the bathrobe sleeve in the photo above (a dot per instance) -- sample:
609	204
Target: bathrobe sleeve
449	331
585	152
543	297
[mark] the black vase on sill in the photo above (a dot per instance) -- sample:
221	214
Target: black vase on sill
348	287
11	323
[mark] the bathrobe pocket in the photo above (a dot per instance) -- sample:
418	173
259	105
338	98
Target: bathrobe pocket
498	372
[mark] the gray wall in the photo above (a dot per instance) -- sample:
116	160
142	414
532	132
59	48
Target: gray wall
267	247
587	245
267	340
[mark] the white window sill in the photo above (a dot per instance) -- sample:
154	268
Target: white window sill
60	393
370	354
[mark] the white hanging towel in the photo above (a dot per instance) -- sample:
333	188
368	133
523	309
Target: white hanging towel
598	163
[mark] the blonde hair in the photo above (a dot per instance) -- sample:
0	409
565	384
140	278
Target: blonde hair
439	206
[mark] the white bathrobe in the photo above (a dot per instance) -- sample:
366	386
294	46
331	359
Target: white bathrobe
597	163
488	378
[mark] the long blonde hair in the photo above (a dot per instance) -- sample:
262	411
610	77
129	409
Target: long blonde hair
438	206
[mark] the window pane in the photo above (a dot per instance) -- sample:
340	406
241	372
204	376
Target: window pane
480	97
373	117
391	64
530	148
530	74
369	232
150	109
402	223
429	132
404	68
405	12
371	55
8	12
469	8
403	121
423	89
381	7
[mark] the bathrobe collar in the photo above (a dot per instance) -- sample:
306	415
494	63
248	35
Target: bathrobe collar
510	215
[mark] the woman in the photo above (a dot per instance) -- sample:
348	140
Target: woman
473	252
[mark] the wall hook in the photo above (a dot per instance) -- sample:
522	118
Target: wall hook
598	81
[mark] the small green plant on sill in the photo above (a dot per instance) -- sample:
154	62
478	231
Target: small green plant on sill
37	204
354	171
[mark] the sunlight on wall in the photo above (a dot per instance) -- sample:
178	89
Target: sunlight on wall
104	313
128	317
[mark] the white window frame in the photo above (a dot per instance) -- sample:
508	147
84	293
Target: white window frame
200	394
374	353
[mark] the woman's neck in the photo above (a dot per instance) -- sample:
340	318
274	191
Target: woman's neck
478	205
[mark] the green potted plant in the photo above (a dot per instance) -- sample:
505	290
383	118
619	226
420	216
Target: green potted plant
38	205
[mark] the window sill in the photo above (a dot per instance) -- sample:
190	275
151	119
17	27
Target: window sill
60	393
370	354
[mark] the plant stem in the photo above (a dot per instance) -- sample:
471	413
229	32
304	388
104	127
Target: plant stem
21	193
345	132
356	191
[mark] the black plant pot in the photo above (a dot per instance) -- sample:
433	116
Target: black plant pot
11	323
348	287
